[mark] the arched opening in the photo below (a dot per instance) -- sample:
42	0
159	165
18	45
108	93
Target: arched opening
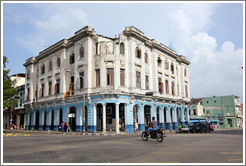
185	114
30	120
138	53
37	120
122	117
86	119
45	117
72	118
178	115
165	117
135	117
99	117
147	115
60	117
110	117
81	52
158	116
52	120
122	48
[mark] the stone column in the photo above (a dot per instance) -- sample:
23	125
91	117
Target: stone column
94	119
168	114
104	117
78	116
141	125
117	117
56	119
187	116
64	116
41	120
153	112
161	116
175	124
27	120
48	120
18	122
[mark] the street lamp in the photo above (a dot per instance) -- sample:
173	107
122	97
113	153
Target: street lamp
83	111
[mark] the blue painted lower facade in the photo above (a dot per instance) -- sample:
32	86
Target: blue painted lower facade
50	117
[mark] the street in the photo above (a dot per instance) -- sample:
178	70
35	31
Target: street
221	146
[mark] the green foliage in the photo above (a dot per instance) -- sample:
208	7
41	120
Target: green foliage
8	90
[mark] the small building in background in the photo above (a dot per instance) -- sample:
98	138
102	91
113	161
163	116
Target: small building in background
222	109
16	115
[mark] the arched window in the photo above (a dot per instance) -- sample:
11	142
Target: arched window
28	75
122	48
146	57
172	68
43	69
50	65
159	61
81	52
72	59
138	53
58	62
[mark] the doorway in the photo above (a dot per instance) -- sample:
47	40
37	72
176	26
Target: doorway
147	115
72	118
37	120
99	117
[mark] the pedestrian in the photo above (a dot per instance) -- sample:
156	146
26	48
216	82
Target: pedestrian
68	127
179	127
63	126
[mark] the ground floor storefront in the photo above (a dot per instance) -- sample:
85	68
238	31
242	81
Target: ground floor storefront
15	119
107	113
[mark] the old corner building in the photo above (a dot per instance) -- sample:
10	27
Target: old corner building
123	81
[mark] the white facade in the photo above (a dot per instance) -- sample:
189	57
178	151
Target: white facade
104	54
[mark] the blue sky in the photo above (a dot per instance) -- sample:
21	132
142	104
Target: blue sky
210	35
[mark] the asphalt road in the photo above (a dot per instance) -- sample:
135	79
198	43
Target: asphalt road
222	146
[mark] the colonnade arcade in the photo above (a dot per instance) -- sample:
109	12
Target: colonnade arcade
104	117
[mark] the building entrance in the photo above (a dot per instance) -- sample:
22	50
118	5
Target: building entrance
99	117
122	117
110	117
147	115
72	118
37	120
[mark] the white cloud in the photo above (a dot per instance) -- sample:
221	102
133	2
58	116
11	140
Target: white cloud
214	70
56	23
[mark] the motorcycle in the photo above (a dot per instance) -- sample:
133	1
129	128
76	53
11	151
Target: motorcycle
155	134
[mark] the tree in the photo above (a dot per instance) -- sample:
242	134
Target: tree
8	87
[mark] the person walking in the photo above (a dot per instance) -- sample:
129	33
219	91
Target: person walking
68	127
63	127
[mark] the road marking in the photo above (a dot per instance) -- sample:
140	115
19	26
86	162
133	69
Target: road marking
166	152
235	159
231	153
7	135
49	150
121	142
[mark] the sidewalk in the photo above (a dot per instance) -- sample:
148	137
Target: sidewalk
138	132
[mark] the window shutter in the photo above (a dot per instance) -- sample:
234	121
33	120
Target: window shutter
40	92
162	87
56	88
78	83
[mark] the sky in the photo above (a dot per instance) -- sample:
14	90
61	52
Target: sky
210	35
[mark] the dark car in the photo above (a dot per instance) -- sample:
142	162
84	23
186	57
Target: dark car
200	127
